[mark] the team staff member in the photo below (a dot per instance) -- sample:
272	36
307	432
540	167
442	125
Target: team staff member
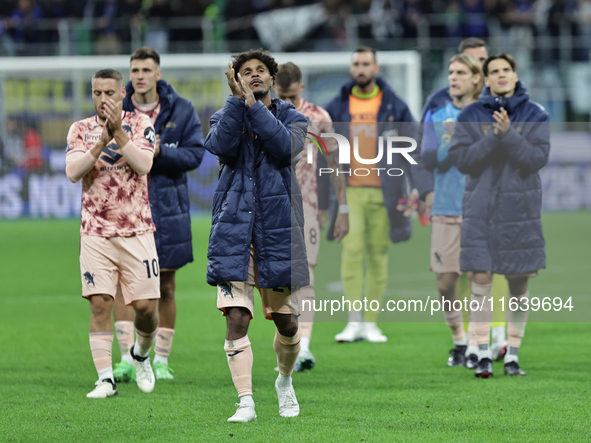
367	107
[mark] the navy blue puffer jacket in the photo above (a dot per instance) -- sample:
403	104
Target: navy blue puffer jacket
501	228
181	150
257	200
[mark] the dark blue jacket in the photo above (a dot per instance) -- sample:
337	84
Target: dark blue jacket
181	150
437	100
501	228
394	117
257	200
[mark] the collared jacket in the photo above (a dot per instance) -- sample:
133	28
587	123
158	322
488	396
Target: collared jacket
501	227
181	150
257	200
394	118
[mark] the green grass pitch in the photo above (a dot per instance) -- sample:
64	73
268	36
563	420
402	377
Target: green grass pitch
398	391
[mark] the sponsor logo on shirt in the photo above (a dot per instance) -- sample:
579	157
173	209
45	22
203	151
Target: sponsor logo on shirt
92	137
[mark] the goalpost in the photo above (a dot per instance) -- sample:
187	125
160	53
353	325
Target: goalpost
45	95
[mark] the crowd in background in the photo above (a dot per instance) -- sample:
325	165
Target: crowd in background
35	27
549	38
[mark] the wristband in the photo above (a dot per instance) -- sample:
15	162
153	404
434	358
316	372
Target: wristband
344	209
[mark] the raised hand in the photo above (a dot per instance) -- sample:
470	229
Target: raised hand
503	124
232	83
106	136
113	111
248	94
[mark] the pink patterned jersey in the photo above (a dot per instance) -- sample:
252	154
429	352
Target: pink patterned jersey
306	173
115	199
151	111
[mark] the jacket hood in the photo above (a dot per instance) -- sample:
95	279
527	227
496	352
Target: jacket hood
509	103
165	90
485	92
382	84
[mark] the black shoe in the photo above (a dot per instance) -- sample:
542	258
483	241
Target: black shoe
484	368
457	356
512	368
471	361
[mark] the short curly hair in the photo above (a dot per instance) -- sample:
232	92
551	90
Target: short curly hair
259	54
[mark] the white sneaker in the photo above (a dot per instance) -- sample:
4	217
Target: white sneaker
352	332
288	403
104	388
244	414
372	333
144	376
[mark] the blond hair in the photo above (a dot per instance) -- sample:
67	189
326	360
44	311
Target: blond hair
474	66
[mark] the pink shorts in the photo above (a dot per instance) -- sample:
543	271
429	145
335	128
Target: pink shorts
312	236
240	294
132	261
445	247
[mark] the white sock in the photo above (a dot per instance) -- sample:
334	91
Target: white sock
499	334
161	359
247	400
355	316
511	355
484	352
127	358
304	344
283	381
106	373
472	349
461	341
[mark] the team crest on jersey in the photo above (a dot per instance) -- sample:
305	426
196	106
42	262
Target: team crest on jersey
150	135
485	128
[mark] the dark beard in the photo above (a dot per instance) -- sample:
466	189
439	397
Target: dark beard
364	84
260	94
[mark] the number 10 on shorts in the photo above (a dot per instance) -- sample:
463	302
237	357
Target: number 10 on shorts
154	267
